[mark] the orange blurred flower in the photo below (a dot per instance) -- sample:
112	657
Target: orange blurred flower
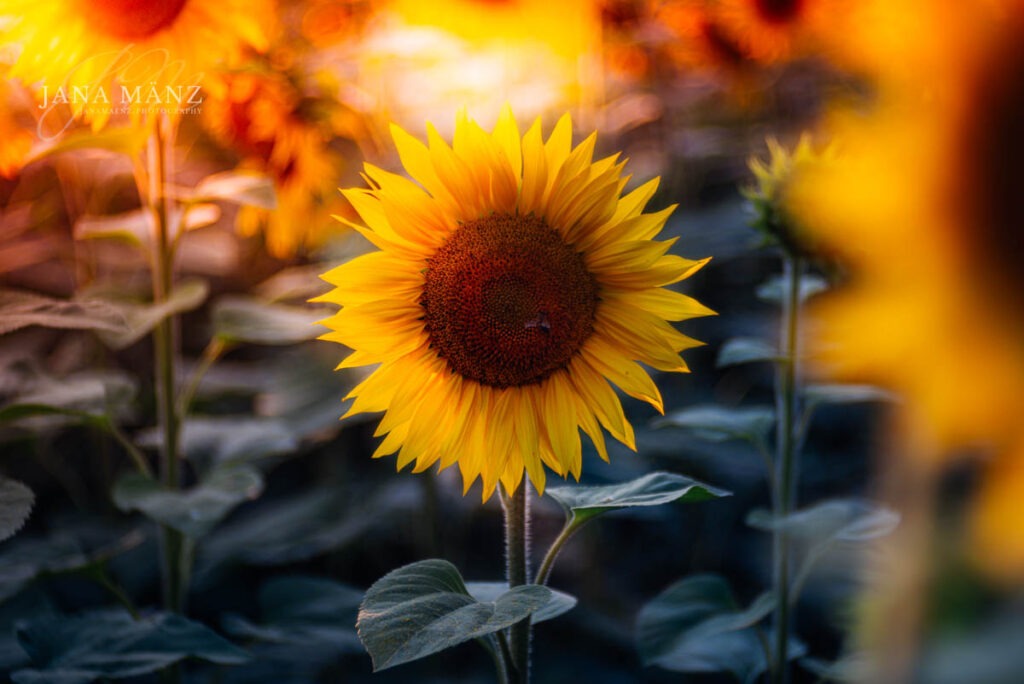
279	130
16	137
109	56
926	207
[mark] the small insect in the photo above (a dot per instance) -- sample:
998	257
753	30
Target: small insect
540	321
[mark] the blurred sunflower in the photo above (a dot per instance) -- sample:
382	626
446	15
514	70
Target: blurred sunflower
773	180
770	31
279	130
926	208
95	46
513	283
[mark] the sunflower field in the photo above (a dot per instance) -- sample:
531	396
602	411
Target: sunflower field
511	341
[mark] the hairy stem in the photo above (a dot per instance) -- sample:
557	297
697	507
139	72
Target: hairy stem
518	557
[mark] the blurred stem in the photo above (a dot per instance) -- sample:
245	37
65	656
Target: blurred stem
100	575
572	526
138	458
517	534
215	348
502	658
164	343
786	392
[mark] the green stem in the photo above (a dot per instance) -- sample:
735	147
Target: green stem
214	350
502	658
572	526
517	554
164	339
786	461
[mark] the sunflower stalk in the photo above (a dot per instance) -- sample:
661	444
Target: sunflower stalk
517	548
164	346
786	466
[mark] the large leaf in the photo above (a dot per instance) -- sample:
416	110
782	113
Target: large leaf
16	502
560	603
852	520
824	527
19	309
134	227
653	489
307	611
213	441
87	396
423	608
127	140
142	318
240	187
109	644
695	625
746	350
246	319
194	511
718	423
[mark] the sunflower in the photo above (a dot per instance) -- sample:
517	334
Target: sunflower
280	130
134	54
512	284
925	207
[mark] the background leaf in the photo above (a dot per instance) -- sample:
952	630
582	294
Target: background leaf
110	644
194	511
142	318
20	309
746	350
16	502
247	319
718	423
559	604
241	187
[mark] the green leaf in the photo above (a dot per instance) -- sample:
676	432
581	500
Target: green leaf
559	604
235	439
109	644
246	319
851	520
845	394
195	511
134	227
653	489
16	501
718	423
128	140
88	396
142	318
423	608
304	611
695	625
19	309
776	288
746	350
241	187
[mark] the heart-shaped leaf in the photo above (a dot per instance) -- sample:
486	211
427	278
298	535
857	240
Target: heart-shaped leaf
653	489
142	318
560	603
778	287
851	520
845	394
422	608
110	644
195	511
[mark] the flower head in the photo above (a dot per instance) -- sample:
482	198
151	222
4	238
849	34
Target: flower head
512	285
925	208
769	194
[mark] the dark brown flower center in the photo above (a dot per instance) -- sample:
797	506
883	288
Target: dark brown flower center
506	301
131	20
778	11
